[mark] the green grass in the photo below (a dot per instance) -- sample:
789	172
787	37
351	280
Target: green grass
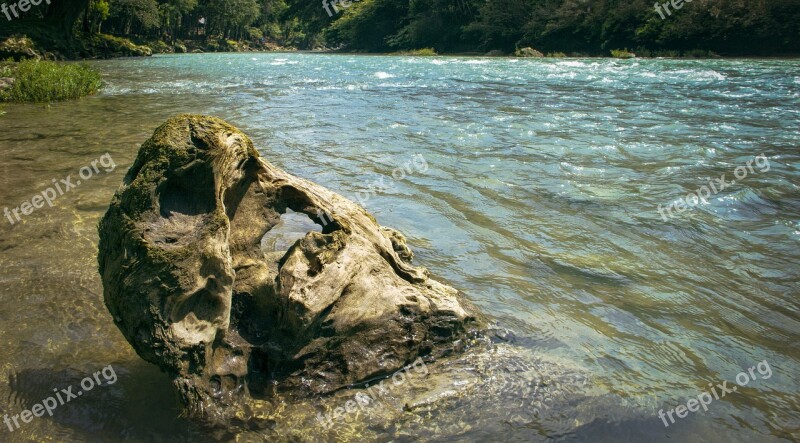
43	81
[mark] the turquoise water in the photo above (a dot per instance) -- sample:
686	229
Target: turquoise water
539	200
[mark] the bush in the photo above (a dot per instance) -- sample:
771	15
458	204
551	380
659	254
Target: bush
622	53
699	53
42	81
255	33
109	46
425	52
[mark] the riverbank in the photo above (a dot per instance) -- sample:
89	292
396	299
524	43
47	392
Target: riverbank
42	81
104	46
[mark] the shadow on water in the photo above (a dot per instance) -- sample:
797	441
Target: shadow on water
139	406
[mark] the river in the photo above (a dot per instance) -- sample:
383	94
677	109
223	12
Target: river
539	199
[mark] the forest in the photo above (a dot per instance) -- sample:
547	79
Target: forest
574	27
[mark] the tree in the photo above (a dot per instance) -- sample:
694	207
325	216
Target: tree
134	16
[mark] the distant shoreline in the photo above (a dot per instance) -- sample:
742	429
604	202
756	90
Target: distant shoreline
483	55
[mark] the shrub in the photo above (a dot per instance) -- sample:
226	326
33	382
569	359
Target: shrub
42	81
424	52
255	33
667	53
699	53
622	53
109	46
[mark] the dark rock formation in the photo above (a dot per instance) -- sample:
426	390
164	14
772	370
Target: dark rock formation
190	287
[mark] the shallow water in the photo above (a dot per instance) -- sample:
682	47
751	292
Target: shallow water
538	198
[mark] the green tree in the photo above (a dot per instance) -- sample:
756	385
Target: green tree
129	17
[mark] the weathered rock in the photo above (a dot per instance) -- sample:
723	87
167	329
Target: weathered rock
19	48
495	53
160	47
190	287
108	46
6	83
528	52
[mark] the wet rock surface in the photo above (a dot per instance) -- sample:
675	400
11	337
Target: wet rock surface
190	287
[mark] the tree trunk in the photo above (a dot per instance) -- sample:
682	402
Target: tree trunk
62	14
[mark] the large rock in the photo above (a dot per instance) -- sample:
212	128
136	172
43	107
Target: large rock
189	286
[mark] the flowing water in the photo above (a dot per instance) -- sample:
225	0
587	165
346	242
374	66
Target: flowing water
533	186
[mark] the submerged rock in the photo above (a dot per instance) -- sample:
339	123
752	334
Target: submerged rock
189	286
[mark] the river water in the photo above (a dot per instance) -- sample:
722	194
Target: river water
539	199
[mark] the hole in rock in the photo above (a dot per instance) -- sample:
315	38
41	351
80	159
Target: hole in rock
191	192
292	227
258	374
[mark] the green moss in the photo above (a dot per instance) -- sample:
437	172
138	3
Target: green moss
108	46
42	82
160	47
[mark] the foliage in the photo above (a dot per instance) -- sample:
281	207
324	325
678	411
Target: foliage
42	81
229	18
590	27
134	17
368	24
622	53
107	46
570	26
424	52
